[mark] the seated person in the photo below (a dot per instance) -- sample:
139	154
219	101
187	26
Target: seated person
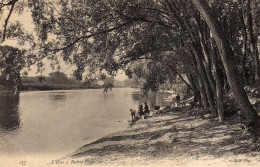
177	100
146	110
140	109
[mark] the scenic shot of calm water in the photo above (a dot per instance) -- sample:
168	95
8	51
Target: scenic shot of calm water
59	122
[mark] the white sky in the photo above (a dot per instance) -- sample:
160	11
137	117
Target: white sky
27	22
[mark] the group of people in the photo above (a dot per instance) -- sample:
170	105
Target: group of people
143	110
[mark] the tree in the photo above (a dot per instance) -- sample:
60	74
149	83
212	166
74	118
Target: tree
252	41
58	77
227	58
108	83
41	79
11	64
2	5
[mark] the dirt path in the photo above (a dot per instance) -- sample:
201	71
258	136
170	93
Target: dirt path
172	138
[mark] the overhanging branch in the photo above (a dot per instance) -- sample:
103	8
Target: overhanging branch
91	35
7	19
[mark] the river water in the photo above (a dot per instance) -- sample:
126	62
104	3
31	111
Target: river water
59	122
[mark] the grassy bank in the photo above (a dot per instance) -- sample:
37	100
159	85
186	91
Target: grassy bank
38	86
172	138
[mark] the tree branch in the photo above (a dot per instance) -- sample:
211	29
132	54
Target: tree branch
91	35
8	17
175	70
8	4
68	17
144	20
160	61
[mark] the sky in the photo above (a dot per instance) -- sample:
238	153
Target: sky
27	22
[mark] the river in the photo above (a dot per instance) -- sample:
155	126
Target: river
59	122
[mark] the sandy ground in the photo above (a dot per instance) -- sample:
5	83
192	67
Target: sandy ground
171	139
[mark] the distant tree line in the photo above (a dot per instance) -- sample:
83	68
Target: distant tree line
53	78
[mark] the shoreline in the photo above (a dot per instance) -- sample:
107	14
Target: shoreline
47	87
170	137
55	89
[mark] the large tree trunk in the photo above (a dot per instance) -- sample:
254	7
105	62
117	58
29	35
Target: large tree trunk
225	83
219	86
187	84
203	95
195	90
206	62
227	58
252	42
243	63
244	49
200	85
202	72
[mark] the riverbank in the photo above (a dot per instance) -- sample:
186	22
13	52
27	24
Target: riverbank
43	86
172	138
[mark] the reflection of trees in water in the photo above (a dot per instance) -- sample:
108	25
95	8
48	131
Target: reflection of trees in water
58	96
137	97
9	116
107	87
152	97
108	96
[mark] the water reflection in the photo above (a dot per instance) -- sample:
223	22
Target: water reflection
151	98
9	116
58	96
